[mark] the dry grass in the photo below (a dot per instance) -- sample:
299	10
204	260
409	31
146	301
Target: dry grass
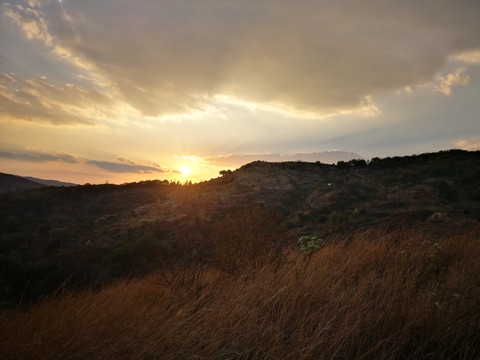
397	295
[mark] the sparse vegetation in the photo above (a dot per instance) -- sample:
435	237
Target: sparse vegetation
362	260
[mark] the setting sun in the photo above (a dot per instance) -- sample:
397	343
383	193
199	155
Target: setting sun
185	171
85	111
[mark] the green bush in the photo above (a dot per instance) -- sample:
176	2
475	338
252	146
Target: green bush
308	244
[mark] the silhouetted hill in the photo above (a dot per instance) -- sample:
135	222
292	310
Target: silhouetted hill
89	235
327	157
16	183
49	182
322	197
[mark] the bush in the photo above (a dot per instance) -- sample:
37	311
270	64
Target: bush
308	244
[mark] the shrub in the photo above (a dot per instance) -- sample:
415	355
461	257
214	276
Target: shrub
308	244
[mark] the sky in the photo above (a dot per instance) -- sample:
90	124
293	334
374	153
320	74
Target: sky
120	91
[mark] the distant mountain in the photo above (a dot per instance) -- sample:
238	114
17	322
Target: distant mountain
49	182
16	183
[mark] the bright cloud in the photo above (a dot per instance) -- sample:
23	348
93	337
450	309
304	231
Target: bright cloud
471	144
256	79
457	78
316	56
36	99
469	57
29	20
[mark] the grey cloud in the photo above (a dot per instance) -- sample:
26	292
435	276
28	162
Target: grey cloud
38	156
326	157
124	167
127	161
320	56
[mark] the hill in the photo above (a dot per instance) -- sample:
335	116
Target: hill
49	182
16	183
93	234
358	260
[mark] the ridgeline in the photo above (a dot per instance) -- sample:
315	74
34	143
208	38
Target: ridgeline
83	236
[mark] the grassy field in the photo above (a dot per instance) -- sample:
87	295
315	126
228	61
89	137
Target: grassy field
377	294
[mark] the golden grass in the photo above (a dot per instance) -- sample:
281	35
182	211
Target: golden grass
398	295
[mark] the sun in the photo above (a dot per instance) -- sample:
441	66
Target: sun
185	170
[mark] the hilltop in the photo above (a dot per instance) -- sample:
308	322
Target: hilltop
10	183
49	182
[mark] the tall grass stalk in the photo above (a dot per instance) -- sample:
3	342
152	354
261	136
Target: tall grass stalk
394	295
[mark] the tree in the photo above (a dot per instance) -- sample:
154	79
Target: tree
225	172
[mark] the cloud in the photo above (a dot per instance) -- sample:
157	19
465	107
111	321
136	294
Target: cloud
125	167
326	157
30	21
38	156
322	57
36	99
126	161
457	78
472	144
472	57
122	165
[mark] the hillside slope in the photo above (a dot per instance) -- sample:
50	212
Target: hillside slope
49	182
407	294
16	183
90	235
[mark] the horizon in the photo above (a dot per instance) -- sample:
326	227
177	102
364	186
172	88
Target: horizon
277	159
114	91
184	177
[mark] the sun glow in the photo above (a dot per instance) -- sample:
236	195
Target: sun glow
185	171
